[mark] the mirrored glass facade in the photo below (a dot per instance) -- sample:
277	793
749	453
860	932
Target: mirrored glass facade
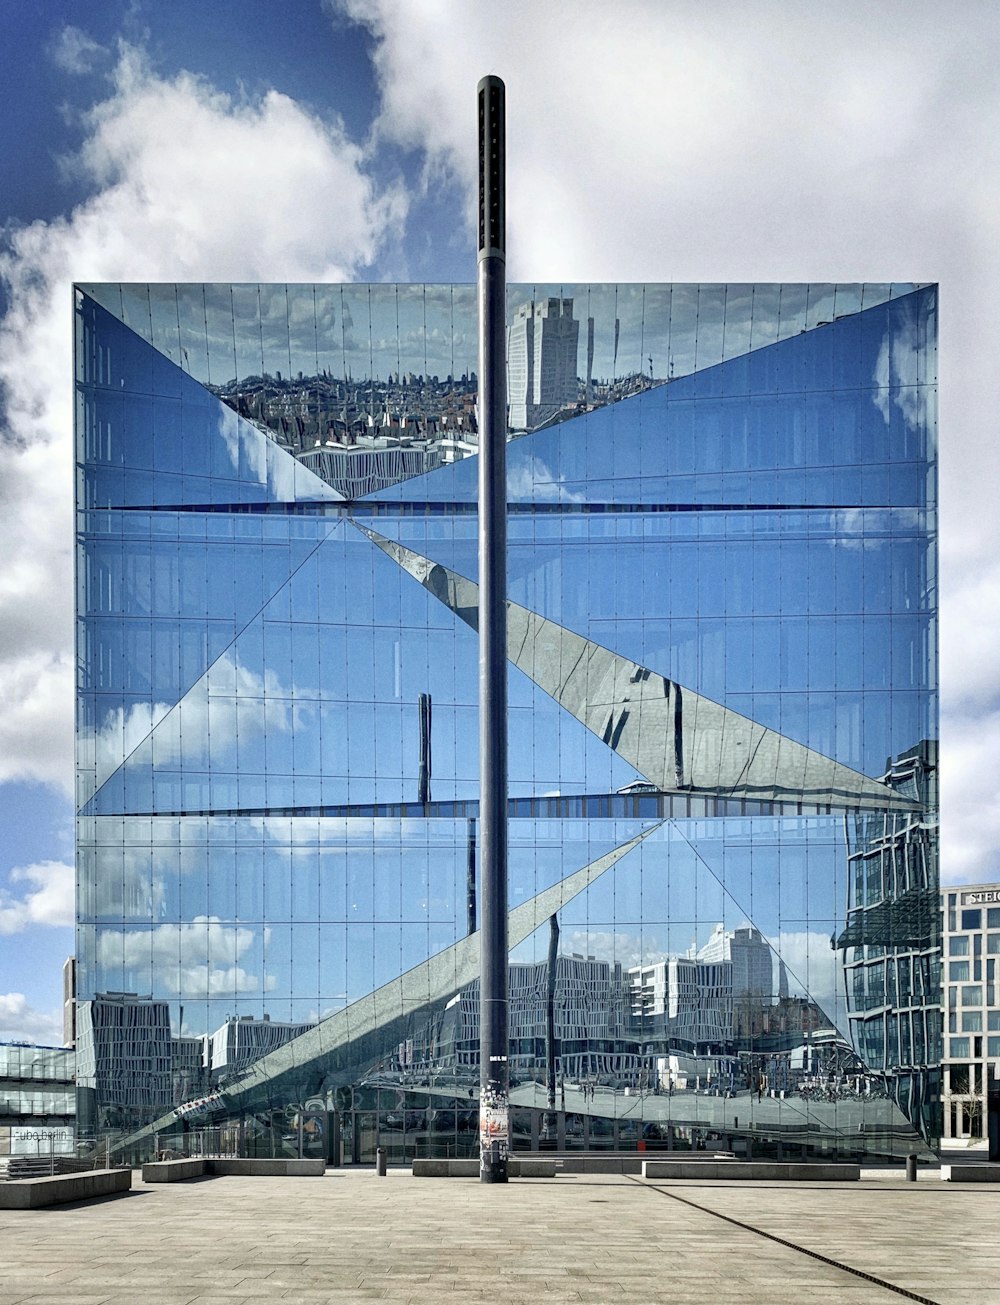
723	716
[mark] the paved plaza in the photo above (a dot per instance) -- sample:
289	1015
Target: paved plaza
351	1236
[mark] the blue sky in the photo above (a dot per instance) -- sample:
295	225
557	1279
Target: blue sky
315	139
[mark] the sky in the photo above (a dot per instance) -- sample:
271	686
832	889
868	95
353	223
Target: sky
650	140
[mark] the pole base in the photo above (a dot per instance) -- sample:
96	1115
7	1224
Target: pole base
490	1173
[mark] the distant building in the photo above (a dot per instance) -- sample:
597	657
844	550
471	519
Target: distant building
542	347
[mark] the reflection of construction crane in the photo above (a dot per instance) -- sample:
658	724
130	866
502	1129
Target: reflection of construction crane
650	366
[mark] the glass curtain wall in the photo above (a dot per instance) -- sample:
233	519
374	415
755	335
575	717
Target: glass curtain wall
723	717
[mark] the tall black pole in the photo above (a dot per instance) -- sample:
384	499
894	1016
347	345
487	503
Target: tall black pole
494	1128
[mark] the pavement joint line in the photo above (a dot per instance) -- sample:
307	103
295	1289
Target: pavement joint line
782	1241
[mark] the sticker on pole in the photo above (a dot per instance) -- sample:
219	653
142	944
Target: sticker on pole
494	1122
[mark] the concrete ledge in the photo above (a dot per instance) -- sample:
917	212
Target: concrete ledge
754	1170
261	1168
976	1173
172	1171
431	1168
33	1193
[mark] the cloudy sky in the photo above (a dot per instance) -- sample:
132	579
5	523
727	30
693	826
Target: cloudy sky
329	139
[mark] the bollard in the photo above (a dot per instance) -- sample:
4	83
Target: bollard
380	1161
911	1167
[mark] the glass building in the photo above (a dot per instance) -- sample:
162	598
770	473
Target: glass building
723	716
37	1101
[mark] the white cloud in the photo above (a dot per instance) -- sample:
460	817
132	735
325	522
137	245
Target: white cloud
658	140
187	184
74	51
50	900
20	1022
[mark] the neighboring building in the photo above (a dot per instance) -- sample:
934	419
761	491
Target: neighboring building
69	1002
971	1007
722	621
37	1100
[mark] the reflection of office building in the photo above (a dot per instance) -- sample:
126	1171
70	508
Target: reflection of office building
891	943
124	1061
750	956
971	1005
541	361
590	1021
240	1042
721	623
686	1000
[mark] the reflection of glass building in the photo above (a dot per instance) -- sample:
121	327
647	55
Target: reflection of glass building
721	623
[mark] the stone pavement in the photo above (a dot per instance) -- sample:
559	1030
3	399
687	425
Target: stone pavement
351	1236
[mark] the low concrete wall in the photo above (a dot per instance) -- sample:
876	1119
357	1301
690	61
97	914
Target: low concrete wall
172	1171
755	1170
976	1173
428	1168
33	1193
435	1168
261	1168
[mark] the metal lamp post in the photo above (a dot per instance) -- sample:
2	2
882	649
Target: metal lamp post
494	1114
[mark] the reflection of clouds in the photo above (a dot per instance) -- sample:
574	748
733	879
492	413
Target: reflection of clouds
120	733
625	949
531	478
851	526
897	369
230	698
199	958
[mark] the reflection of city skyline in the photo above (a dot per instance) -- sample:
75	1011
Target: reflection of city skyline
348	378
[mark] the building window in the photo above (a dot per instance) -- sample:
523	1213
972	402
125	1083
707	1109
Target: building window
958	946
959	1051
993	944
972	995
958	971
972	1021
993	1044
972	919
993	917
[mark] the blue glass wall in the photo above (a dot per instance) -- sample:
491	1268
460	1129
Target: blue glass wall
727	504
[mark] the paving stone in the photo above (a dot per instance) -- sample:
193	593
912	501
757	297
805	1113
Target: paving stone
586	1238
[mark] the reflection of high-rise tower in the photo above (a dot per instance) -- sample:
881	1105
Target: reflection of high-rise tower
541	361
750	954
